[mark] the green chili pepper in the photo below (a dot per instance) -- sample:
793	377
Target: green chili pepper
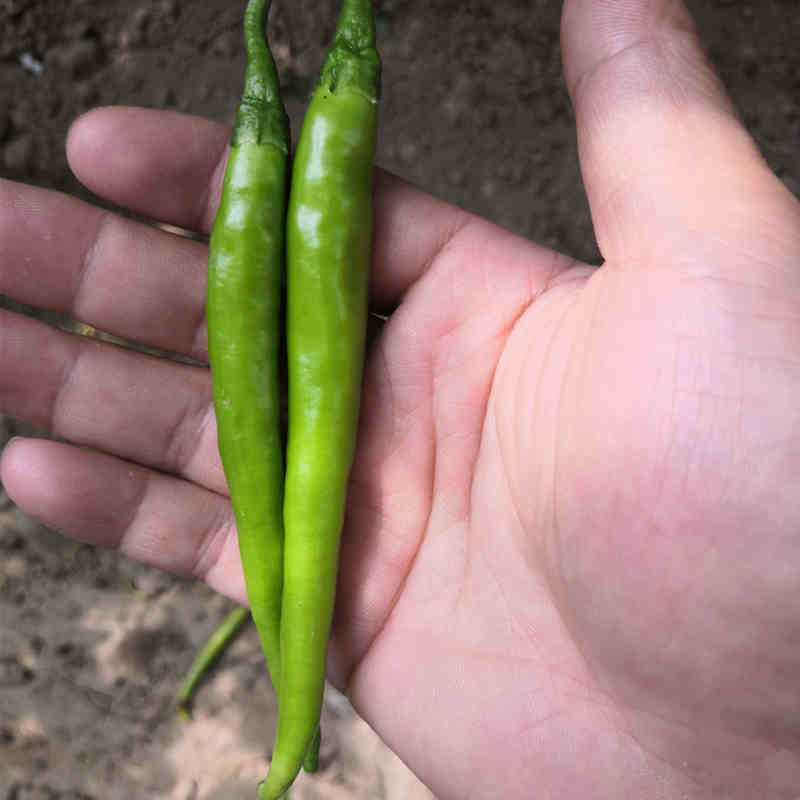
243	307
208	654
328	240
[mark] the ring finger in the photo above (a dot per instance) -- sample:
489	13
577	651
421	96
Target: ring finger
148	410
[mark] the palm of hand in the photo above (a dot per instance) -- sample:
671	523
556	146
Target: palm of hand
569	537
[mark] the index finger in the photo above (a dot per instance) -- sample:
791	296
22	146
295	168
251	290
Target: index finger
164	165
170	167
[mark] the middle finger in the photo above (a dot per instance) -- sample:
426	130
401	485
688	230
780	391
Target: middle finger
121	276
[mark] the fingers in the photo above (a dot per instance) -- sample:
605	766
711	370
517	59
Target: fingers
170	167
142	284
661	149
149	410
101	500
123	277
164	165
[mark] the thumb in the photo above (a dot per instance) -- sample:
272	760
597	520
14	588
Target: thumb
662	150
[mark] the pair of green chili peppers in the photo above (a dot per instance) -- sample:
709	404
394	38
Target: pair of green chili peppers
289	520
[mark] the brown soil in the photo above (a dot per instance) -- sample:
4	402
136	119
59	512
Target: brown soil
92	645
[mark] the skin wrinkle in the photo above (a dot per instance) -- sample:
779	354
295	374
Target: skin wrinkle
200	351
554	278
504	334
536	394
507	471
69	378
498	583
576	87
465	556
651	754
679	93
88	263
144	478
180	446
505	459
615	234
760	359
709	277
199	345
667	430
664	23
452	273
439	438
461	222
696	268
556	557
12	197
385	379
679	763
384	376
209	201
766	317
515	506
220	530
441	352
206	429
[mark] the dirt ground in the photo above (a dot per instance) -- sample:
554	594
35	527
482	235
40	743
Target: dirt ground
92	646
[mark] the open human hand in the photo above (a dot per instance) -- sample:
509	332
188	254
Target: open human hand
571	562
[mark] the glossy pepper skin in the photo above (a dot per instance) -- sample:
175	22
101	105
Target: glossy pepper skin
243	314
328	239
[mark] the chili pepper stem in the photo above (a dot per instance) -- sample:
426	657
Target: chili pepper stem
261	76
207	656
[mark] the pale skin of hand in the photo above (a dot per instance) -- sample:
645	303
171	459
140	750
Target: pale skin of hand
571	562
